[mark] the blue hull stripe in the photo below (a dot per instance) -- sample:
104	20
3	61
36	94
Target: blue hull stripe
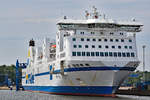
89	69
95	90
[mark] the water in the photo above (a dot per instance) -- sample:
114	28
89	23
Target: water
23	95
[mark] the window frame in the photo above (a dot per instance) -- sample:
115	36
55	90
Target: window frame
73	39
87	39
113	47
83	53
97	54
92	54
74	53
106	46
86	46
79	46
82	39
102	54
94	39
117	40
88	54
93	46
111	40
78	53
74	46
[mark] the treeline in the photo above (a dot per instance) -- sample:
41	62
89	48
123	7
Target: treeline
137	78
8	72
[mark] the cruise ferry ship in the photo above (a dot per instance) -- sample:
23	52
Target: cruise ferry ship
91	56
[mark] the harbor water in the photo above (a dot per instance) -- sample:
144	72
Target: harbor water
23	95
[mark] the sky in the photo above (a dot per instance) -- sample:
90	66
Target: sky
21	20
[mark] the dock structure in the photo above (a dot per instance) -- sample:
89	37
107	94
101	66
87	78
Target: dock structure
18	74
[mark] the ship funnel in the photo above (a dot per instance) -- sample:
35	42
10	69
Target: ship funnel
32	43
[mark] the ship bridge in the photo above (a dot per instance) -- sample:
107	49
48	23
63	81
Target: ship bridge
95	21
100	24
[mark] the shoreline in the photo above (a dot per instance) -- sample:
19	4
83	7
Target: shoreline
119	92
134	92
7	88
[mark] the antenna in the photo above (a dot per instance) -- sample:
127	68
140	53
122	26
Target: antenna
95	13
133	19
65	17
86	14
104	16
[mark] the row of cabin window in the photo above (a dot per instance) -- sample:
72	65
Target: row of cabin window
105	40
111	33
78	65
99	46
104	54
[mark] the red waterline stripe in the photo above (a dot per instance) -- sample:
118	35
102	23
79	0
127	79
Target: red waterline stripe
83	94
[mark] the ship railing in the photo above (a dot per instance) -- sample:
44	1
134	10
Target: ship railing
129	29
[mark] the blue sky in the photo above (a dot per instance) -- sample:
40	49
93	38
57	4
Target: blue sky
21	20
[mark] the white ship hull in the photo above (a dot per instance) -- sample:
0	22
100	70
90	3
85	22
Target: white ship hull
79	81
